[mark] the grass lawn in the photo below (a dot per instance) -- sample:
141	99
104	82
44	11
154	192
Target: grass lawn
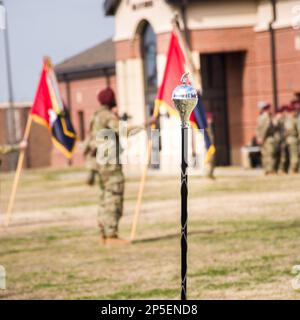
244	239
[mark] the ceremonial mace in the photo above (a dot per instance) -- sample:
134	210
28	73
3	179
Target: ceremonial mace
185	99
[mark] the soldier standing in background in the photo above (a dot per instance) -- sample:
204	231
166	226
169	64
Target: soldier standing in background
12	148
265	137
296	105
292	138
90	155
111	177
5	149
279	139
210	165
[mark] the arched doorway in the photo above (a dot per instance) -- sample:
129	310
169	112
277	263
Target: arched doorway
148	52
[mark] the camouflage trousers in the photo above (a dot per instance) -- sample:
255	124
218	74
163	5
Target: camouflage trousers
111	184
268	155
293	153
92	166
281	156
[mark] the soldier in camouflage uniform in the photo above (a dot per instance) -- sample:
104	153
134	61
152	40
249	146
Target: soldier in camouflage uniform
279	139
8	148
5	149
296	105
265	137
90	160
292	139
111	178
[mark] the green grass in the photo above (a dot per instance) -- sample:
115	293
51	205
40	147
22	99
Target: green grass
243	239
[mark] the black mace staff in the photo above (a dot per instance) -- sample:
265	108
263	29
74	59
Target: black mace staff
185	99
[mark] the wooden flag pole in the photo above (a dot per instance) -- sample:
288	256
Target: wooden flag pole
193	70
141	192
17	174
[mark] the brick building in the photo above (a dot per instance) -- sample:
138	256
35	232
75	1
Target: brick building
80	79
38	153
232	46
245	51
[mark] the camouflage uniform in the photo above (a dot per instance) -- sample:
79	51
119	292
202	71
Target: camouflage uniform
280	145
298	128
264	133
111	178
9	148
292	141
5	149
90	158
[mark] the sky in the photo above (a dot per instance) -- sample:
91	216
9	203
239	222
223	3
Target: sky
57	28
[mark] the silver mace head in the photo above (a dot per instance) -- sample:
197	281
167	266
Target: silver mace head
185	99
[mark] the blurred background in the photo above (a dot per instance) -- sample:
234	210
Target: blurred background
244	51
243	227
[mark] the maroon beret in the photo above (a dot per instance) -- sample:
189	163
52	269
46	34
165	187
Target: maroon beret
296	104
291	108
107	97
284	108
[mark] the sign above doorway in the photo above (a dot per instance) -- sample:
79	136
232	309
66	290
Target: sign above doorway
139	4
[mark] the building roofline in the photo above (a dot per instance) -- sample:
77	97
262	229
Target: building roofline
18	104
83	72
110	7
99	66
95	61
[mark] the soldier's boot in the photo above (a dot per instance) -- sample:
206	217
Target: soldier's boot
281	172
270	173
91	178
102	240
211	177
116	241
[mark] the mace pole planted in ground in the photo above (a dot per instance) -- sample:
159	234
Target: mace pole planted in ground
184	214
185	99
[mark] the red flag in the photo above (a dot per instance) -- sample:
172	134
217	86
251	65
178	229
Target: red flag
48	109
42	101
175	68
173	72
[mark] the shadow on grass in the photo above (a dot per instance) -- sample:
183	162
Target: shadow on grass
273	226
172	236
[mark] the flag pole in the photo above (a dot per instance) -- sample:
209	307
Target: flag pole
188	56
143	179
17	174
196	79
141	192
184	213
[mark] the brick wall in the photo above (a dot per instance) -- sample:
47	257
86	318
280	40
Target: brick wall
248	66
